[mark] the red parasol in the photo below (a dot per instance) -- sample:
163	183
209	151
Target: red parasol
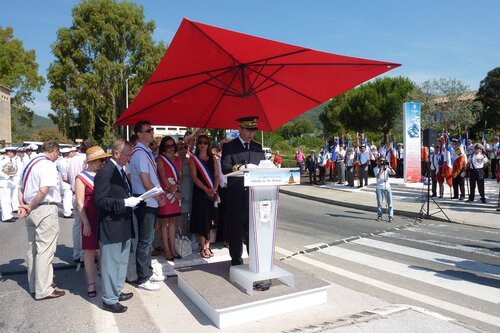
210	76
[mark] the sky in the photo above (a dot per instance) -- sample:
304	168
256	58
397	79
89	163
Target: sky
432	39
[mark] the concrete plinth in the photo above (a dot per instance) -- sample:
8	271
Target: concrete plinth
225	304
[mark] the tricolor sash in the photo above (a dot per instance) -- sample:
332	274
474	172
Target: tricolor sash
87	179
203	169
172	167
29	166
205	173
150	159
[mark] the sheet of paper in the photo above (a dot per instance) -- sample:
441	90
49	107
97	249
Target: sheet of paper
151	193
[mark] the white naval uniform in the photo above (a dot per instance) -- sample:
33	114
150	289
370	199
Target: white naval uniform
66	192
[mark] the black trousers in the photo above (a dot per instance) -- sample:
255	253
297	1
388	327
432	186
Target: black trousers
476	176
400	168
237	209
434	182
321	174
458	183
312	176
494	163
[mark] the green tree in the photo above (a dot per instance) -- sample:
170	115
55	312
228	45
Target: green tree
108	43
373	106
489	95
19	73
446	103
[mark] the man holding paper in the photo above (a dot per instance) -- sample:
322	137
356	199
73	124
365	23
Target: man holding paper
144	177
113	197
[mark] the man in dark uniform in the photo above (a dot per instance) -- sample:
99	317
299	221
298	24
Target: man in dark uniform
239	152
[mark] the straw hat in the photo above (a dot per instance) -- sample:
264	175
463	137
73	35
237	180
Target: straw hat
96	153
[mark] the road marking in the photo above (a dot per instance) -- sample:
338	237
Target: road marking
447	306
430	276
446	245
431	256
104	320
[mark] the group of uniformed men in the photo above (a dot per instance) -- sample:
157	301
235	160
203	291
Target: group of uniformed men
13	160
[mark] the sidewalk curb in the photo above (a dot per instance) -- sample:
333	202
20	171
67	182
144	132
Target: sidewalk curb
355	205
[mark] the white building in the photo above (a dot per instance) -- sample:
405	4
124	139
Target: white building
174	131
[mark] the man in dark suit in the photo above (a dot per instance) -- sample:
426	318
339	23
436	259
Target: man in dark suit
112	194
239	152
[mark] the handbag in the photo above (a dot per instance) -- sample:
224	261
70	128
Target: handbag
183	245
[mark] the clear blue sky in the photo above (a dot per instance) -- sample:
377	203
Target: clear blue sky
430	38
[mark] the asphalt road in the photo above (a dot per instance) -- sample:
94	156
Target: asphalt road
450	269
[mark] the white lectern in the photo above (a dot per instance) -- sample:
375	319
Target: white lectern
263	186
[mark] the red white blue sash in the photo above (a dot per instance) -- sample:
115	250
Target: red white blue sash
87	179
29	166
203	169
172	167
150	159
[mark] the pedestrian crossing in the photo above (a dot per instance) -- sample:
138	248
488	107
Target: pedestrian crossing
428	265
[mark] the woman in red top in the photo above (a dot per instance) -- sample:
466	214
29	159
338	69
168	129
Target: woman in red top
84	194
277	159
170	174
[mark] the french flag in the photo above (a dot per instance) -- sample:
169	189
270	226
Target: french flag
448	163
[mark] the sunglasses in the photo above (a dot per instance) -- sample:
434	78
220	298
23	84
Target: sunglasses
170	146
183	147
203	142
149	130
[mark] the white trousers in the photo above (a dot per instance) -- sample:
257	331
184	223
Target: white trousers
6	202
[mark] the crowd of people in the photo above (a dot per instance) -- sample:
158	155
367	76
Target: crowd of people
343	165
121	218
461	165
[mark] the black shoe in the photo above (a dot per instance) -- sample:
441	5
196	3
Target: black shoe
454	198
125	297
10	220
470	200
236	262
461	198
115	308
483	200
433	196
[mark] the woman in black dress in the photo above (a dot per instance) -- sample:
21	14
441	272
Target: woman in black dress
204	171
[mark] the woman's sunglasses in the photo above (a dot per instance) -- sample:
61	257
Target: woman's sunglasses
203	142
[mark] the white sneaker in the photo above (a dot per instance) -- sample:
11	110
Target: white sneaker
148	285
157	278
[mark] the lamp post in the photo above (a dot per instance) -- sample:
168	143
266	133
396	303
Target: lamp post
126	100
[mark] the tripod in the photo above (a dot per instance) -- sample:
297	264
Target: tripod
425	213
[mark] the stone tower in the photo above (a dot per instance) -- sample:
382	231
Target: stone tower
5	115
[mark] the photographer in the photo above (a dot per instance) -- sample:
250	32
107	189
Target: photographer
382	172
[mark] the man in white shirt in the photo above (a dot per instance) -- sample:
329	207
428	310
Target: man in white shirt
67	194
38	198
476	164
382	172
340	164
364	160
144	177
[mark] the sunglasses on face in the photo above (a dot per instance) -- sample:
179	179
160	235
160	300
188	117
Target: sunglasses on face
149	130
203	142
170	146
183	147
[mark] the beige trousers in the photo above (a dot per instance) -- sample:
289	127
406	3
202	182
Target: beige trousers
43	228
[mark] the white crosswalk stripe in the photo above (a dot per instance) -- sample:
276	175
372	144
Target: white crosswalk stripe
432	277
463	311
400	262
